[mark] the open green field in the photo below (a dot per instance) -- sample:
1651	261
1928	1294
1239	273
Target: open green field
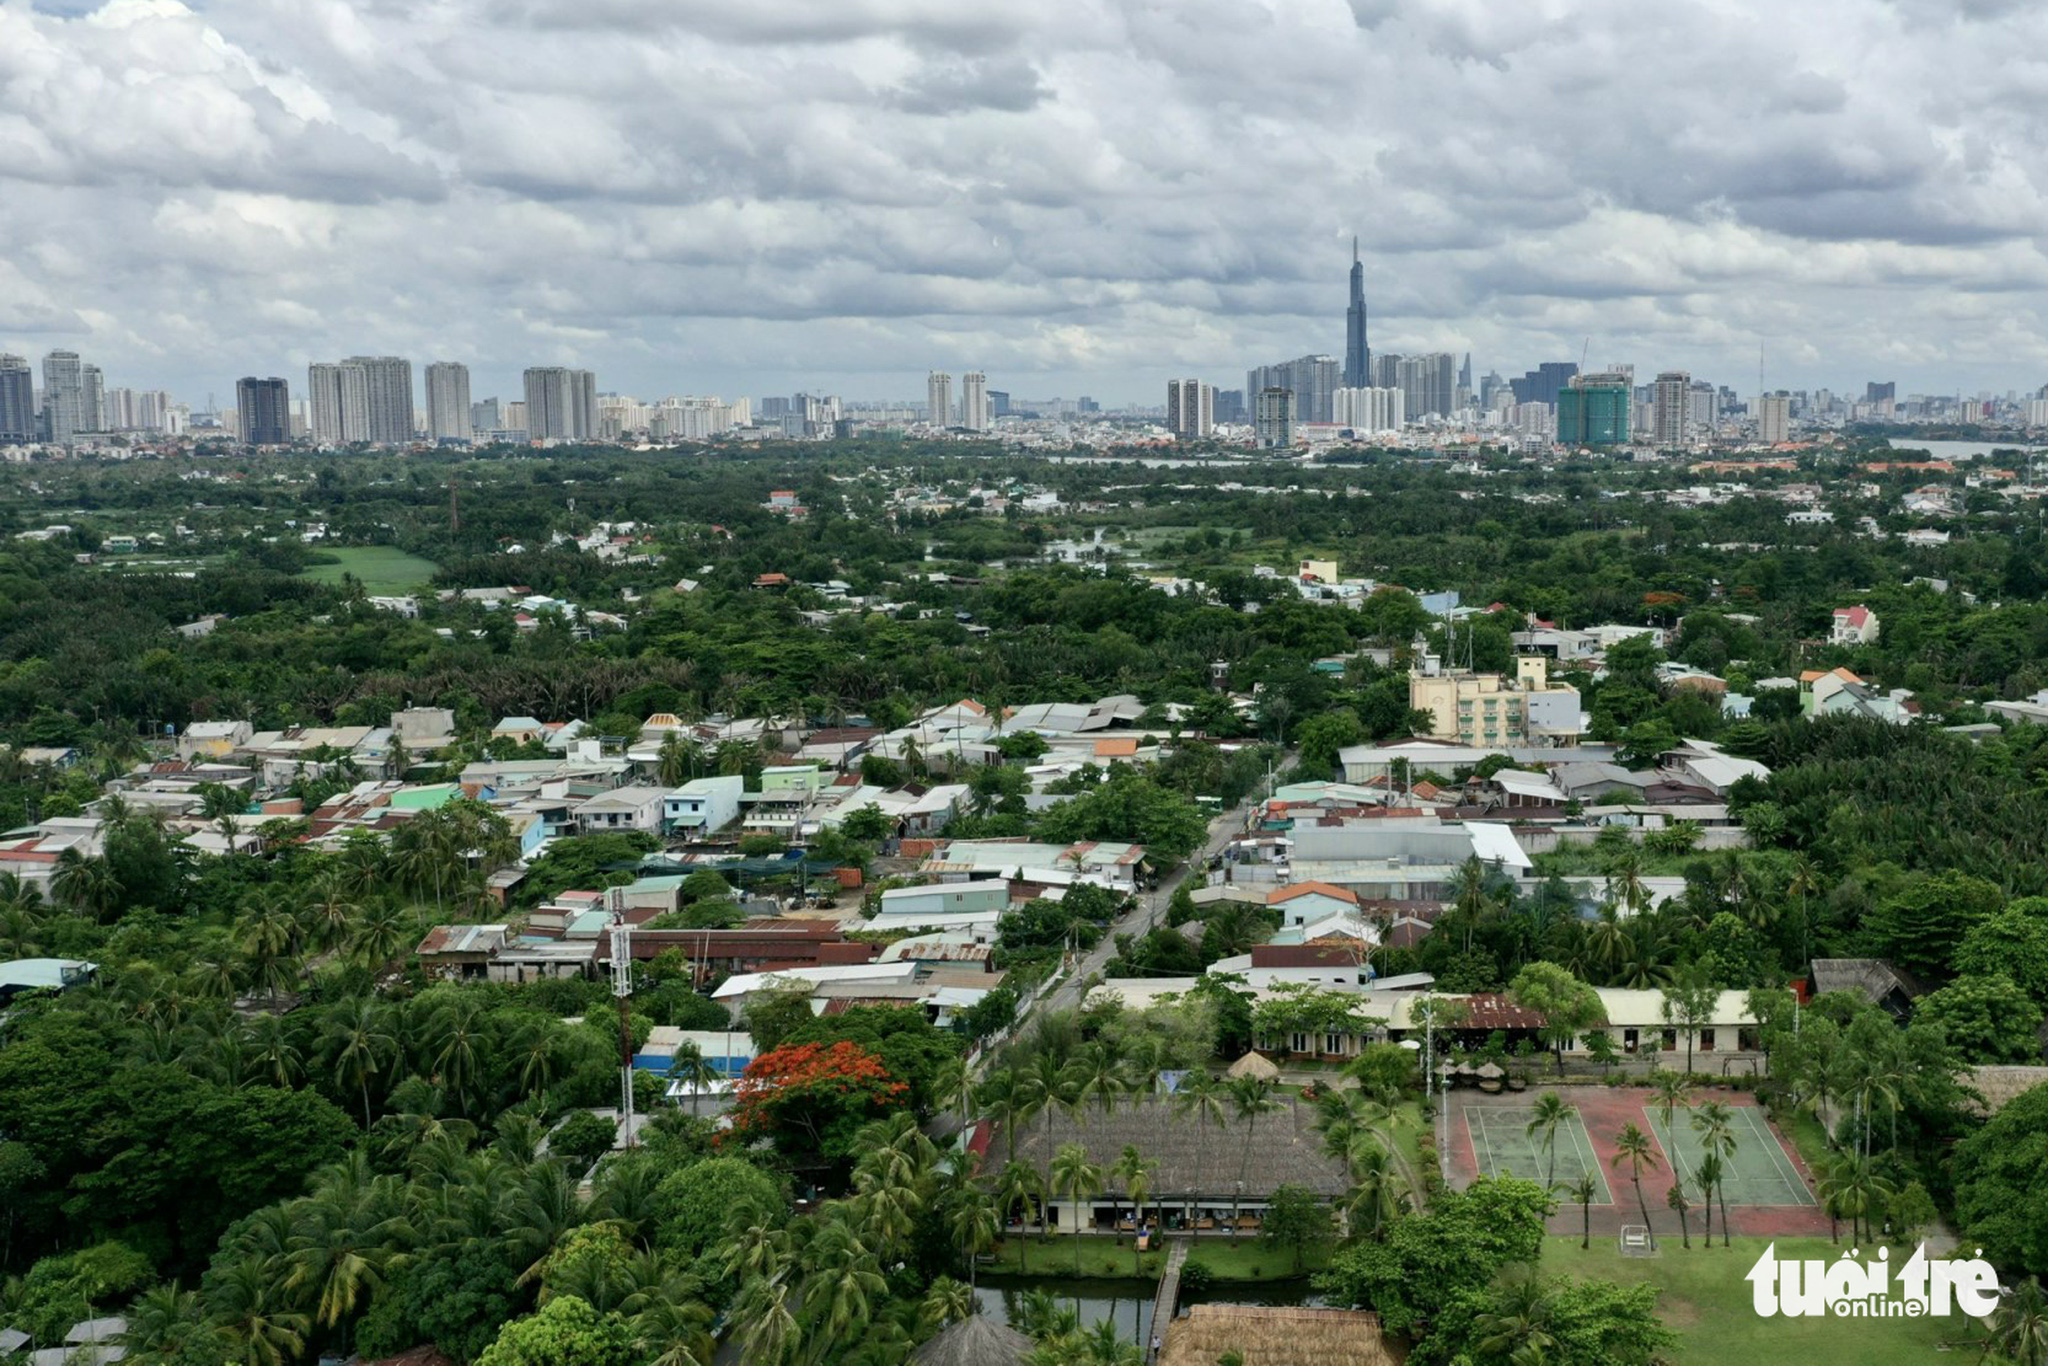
382	569
1702	1296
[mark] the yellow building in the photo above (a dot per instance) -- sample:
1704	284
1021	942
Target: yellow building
1323	571
1492	709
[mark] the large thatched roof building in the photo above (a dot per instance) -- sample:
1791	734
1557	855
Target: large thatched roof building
2000	1085
974	1341
1275	1337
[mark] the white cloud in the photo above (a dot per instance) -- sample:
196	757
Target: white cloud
1075	195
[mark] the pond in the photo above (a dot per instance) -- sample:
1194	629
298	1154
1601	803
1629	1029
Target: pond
1128	1303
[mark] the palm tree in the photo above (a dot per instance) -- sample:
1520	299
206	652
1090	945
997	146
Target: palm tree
1673	1090
332	910
973	1224
1517	1327
1715	1124
1582	1192
1632	1146
270	1046
1019	1184
1200	1095
86	883
1550	1114
1378	1194
840	1288
380	936
1134	1170
692	1068
347	1237
1675	1198
361	1044
1003	1096
1050	1084
537	1050
2019	1326
257	1329
1250	1097
1079	1180
764	1320
946	1301
166	1323
1103	1077
455	1042
1706	1179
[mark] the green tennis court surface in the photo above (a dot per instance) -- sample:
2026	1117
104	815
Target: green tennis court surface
1504	1146
1758	1172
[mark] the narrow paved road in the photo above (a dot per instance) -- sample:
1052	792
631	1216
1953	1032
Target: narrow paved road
1149	911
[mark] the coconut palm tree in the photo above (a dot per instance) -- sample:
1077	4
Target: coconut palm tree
1705	1180
1680	1206
1714	1122
271	1048
1633	1146
1134	1170
972	1221
1080	1181
331	910
455	1040
1200	1095
257	1326
1517	1326
1003	1096
86	883
347	1236
361	1045
1549	1115
2019	1326
839	1289
1103	1077
1673	1090
1250	1097
1019	1184
166	1323
946	1301
380	935
1582	1192
764	1321
694	1070
1378	1194
1050	1085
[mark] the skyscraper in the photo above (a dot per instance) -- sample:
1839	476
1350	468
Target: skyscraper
266	411
1190	408
1593	410
938	398
1368	409
17	400
1774	418
323	403
62	382
92	399
561	404
974	413
379	389
1312	379
1670	417
1428	384
1543	384
1274	419
448	402
1357	354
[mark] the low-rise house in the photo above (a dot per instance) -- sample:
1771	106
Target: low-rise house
213	739
637	807
1305	902
906	907
522	730
2032	710
702	805
1853	626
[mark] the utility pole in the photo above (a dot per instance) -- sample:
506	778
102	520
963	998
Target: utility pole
622	988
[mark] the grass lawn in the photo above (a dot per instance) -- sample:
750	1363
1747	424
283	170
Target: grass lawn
1250	1260
1703	1297
383	569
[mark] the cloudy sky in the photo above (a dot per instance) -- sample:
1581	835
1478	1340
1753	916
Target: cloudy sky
1077	196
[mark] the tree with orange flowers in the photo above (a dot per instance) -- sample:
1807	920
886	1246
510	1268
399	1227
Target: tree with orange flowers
812	1098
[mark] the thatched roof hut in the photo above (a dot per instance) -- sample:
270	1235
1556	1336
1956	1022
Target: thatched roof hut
1195	1159
1275	1337
974	1341
2002	1085
1254	1064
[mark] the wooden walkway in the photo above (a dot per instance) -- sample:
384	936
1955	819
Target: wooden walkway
1166	1301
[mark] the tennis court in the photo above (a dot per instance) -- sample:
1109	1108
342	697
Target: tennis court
1504	1147
1758	1172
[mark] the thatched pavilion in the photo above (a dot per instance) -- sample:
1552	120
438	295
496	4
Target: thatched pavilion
1275	1337
974	1341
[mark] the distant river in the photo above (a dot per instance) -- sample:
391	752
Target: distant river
1957	450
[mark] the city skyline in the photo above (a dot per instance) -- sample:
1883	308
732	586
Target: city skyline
212	194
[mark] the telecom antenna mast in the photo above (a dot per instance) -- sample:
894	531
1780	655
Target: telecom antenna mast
622	988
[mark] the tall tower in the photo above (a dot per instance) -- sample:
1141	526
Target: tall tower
266	411
17	401
938	389
448	401
1357	355
1670	418
974	414
63	383
323	403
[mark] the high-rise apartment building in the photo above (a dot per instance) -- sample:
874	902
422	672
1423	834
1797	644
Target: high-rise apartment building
1190	408
1230	405
1594	410
1312	379
117	409
1545	382
484	417
1886	392
92	399
1705	408
938	398
1273	418
265	409
17	401
1774	418
63	382
1428	384
153	410
448	402
323	403
1369	409
561	404
378	390
974	411
1671	414
1357	354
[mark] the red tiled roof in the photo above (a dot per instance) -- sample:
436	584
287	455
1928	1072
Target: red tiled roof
1304	888
1322	953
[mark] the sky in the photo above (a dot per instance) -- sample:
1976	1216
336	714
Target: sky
1076	196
